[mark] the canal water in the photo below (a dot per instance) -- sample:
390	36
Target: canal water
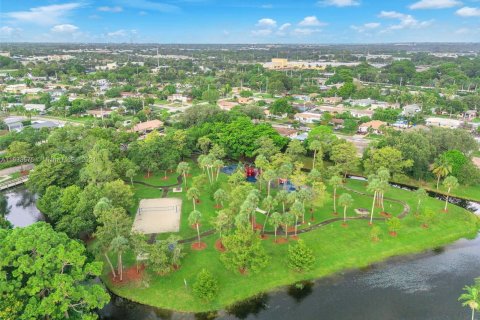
423	286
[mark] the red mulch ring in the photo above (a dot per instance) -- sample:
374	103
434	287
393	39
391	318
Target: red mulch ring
425	226
194	226
385	214
294	238
197	201
312	219
165	178
445	211
370	224
291	229
281	240
257	226
217	206
393	233
264	236
344	225
129	275
219	245
148	175
24	172
311	209
242	271
199	246
176	267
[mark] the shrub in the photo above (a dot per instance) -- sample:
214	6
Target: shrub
300	257
206	286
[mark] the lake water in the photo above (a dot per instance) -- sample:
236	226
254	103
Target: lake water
22	209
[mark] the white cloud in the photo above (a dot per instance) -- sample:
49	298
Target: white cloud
434	4
267	22
366	27
6	30
468	12
64	28
406	21
339	3
284	26
305	31
262	32
310	21
110	9
148	5
118	33
44	15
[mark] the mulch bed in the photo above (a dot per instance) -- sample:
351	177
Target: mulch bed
257	226
393	233
194	226
344	225
242	271
295	238
281	240
291	229
24	172
385	214
425	226
199	246
219	245
129	275
263	236
445	211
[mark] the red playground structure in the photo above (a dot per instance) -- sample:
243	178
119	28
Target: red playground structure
251	173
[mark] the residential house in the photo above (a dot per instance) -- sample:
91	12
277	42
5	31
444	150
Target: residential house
178	97
411	109
332	100
308	117
371	126
286	131
443	122
242	100
99	113
14	124
226	105
44	124
147	126
15	88
35	107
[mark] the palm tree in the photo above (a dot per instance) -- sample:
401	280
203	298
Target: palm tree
441	168
282	197
220	196
269	204
335	181
193	194
183	168
450	183
298	211
194	219
305	195
276	220
471	298
218	164
316	146
288	219
119	245
373	186
269	175
345	201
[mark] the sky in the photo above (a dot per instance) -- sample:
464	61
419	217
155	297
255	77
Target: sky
247	21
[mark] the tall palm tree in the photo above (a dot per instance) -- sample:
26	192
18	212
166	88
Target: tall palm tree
269	175
374	185
345	201
183	168
194	219
119	245
471	298
335	181
298	211
441	168
275	220
450	183
268	204
193	194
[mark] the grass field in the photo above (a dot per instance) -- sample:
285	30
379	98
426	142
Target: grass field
336	248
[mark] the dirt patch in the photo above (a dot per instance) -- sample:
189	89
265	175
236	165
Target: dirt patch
344	224
257	226
295	238
445	211
281	240
243	271
199	246
385	214
425	226
24	173
219	245
291	229
263	236
393	233
129	275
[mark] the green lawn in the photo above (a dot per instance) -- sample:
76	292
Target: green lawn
336	248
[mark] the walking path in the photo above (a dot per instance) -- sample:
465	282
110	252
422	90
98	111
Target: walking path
7	171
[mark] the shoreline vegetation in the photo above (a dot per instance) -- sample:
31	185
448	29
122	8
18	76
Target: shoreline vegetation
336	249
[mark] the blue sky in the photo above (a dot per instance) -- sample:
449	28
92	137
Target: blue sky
229	21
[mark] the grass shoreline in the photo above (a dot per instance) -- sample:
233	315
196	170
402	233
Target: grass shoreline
449	239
